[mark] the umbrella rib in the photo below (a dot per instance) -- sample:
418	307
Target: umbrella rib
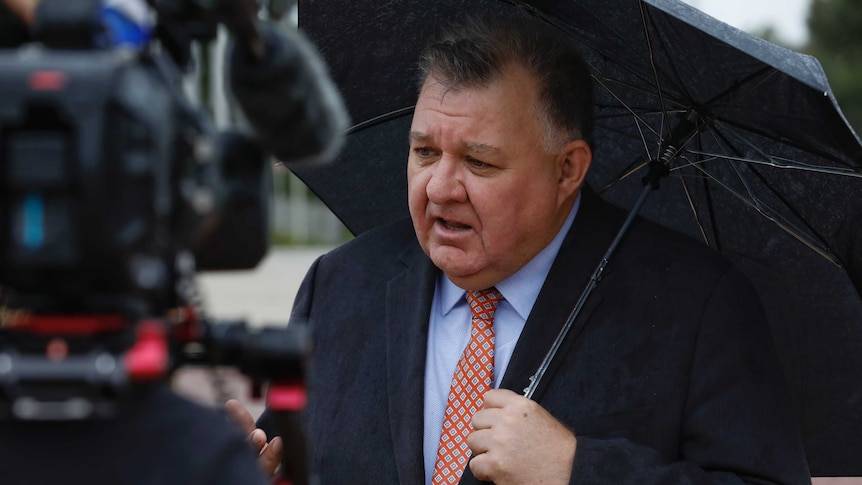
693	208
784	225
654	71
709	207
626	106
673	67
640	90
642	135
814	243
772	161
707	193
767	212
768	160
790	206
751	195
814	151
642	112
721	139
776	163
632	169
638	120
815	238
707	188
380	119
745	82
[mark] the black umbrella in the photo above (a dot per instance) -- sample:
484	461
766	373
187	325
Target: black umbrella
762	164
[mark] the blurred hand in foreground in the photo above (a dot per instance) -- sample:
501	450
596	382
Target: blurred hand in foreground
268	452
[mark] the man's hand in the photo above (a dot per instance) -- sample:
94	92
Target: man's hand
269	454
515	441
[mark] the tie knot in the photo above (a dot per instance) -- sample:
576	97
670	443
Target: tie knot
484	303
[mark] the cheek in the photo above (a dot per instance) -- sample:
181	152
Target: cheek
513	214
500	199
413	181
498	213
417	198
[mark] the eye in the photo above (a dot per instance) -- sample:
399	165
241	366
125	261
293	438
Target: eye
477	164
423	152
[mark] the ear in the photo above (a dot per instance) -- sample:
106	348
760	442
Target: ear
573	167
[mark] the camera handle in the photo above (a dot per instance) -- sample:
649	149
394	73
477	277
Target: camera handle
285	401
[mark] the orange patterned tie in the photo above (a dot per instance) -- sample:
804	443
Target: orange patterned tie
474	375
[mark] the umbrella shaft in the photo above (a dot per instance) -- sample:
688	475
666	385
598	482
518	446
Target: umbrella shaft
536	378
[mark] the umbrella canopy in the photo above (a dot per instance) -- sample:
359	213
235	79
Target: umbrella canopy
763	166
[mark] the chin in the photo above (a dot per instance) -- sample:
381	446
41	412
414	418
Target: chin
454	269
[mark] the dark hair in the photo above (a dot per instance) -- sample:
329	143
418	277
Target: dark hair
474	52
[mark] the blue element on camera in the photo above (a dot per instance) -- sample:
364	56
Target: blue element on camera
34	221
123	31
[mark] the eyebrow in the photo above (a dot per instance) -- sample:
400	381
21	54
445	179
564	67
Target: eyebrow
474	147
418	137
484	149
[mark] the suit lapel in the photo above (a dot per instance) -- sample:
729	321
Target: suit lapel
582	250
408	305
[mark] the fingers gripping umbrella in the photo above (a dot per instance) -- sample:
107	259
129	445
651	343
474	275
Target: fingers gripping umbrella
744	138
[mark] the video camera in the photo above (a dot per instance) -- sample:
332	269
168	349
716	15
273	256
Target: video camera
115	190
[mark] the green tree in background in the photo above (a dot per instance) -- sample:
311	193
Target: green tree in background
835	28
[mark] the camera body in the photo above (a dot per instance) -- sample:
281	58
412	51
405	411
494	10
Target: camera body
114	190
107	175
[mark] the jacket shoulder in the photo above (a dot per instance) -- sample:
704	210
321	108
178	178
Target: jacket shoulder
384	242
377	253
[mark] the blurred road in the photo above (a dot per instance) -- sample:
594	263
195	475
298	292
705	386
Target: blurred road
265	295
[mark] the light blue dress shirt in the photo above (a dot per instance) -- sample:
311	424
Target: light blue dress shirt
449	333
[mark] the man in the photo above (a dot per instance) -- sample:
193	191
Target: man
667	376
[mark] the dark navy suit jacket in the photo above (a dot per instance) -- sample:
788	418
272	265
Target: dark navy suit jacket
667	376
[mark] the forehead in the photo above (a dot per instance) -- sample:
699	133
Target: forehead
478	117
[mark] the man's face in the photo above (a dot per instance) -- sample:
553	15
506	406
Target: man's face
485	196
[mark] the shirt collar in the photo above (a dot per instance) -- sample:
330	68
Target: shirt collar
522	288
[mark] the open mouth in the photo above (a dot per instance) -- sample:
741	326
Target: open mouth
451	225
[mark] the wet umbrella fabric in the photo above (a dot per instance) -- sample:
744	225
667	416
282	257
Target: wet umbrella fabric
767	171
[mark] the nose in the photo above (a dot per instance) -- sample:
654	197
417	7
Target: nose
446	182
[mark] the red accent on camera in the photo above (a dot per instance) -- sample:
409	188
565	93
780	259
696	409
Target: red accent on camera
147	360
67	324
287	395
47	80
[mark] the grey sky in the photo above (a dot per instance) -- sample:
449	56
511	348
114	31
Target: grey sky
787	16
